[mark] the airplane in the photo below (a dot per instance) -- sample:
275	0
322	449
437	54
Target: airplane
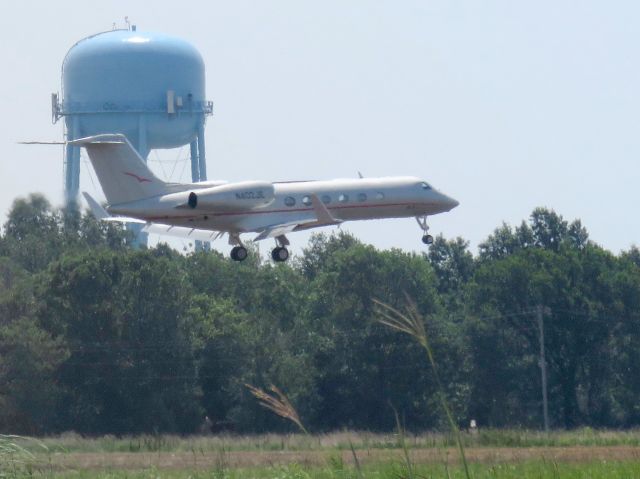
209	209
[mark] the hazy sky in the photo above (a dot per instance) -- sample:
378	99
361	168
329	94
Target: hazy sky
504	105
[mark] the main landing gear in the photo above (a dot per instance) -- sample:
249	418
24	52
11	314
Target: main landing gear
422	222
280	253
238	252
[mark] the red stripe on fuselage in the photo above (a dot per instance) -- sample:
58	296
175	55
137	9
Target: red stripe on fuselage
261	212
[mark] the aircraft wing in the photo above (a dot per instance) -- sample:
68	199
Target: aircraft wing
274	231
322	217
182	232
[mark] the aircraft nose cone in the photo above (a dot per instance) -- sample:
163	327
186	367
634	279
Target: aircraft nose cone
449	203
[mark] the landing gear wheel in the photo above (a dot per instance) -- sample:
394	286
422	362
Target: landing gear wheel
422	222
280	254
239	253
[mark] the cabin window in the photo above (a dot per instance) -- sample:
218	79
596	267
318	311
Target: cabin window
306	200
379	195
326	199
290	201
425	185
362	197
343	198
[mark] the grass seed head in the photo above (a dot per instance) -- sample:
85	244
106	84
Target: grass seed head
278	403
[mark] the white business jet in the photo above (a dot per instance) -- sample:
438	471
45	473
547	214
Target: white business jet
209	209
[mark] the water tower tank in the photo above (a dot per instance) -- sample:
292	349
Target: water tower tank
148	86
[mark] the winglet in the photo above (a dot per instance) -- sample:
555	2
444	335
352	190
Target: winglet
98	211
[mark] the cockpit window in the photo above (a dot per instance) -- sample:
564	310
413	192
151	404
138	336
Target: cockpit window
425	185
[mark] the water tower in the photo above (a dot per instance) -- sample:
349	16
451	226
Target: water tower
148	86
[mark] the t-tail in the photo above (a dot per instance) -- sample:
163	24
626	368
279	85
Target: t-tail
123	174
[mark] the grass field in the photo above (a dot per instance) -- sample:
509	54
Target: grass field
535	469
513	438
584	453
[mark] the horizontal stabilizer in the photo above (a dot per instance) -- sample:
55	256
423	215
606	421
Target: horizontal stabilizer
96	208
101	214
153	228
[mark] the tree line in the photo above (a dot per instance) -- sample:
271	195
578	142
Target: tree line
101	338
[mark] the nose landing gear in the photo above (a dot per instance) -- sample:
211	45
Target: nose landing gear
422	222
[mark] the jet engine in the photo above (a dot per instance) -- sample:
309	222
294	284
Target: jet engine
247	195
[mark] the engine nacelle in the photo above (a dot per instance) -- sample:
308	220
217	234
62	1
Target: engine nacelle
246	195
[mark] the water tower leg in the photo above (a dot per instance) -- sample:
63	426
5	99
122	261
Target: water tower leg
195	176
195	170
199	172
140	238
143	149
72	168
202	160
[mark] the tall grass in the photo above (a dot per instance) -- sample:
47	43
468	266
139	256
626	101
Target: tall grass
278	403
15	459
341	440
412	323
378	457
538	469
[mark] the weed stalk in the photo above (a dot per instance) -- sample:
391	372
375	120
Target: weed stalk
278	403
412	323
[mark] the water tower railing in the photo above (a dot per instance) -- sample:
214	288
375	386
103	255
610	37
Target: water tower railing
93	108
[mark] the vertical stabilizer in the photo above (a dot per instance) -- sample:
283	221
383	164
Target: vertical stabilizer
123	174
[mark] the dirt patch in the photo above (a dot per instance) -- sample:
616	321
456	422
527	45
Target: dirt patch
246	459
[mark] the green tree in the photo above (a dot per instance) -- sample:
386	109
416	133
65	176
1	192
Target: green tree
559	269
362	365
131	366
623	381
29	357
32	235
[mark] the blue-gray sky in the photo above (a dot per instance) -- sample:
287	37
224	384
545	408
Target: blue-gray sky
504	105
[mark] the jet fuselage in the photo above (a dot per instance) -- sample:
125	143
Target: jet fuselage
345	199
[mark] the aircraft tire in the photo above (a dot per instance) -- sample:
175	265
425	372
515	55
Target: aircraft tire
280	254
239	253
427	239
